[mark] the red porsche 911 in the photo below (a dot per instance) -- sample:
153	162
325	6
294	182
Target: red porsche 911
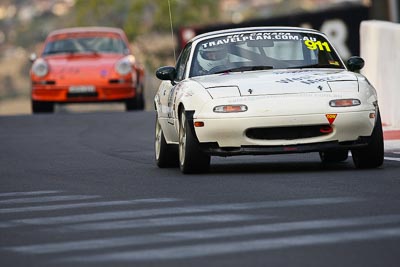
86	64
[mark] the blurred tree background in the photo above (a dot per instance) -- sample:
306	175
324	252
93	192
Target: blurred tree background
142	16
145	22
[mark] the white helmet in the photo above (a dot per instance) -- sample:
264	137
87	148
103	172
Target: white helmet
211	57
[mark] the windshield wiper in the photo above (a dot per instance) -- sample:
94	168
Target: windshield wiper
315	66
246	68
60	52
92	51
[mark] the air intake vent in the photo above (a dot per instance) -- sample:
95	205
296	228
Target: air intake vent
289	133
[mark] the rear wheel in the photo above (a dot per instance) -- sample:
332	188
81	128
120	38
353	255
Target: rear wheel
191	158
334	156
166	155
372	155
42	107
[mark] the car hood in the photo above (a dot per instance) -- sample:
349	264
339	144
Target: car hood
92	65
271	82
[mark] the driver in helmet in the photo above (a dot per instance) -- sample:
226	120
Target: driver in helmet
212	57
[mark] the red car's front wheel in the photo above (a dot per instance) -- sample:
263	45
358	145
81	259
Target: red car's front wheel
42	107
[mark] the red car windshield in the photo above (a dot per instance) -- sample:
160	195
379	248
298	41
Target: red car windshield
86	45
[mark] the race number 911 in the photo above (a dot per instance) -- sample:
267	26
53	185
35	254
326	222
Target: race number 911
317	45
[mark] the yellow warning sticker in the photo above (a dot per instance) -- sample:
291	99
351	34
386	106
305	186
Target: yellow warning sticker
331	117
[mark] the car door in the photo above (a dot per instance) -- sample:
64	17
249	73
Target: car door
169	92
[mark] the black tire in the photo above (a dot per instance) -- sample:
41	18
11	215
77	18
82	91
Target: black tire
334	156
191	158
140	104
166	155
136	103
371	156
42	107
140	100
131	104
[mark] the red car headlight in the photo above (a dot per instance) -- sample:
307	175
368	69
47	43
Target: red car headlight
123	66
40	68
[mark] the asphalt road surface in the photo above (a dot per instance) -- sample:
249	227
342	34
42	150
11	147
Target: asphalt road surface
82	189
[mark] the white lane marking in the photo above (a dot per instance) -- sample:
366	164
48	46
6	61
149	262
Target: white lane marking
193	235
7	224
393	159
131	214
212	249
287	226
86	205
167	221
46	199
31	193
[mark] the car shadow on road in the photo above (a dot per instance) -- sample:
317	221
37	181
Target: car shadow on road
284	167
278	164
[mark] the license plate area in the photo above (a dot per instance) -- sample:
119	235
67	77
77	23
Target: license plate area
82	91
79	89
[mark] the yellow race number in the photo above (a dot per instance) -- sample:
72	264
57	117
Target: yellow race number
317	45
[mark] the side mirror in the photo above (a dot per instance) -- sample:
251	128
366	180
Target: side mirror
166	74
32	57
355	63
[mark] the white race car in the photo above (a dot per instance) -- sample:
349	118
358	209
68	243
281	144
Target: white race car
265	90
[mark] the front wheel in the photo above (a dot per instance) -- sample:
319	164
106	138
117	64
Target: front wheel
42	107
371	156
166	155
131	104
191	158
140	101
137	102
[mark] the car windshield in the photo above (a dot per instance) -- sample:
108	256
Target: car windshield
263	50
86	45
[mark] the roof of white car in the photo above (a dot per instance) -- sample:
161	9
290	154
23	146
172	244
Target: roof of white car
251	29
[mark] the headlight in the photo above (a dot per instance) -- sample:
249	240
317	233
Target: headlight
230	108
123	66
40	68
344	103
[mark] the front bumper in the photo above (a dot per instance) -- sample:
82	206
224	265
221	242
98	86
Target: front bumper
227	136
60	94
214	150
